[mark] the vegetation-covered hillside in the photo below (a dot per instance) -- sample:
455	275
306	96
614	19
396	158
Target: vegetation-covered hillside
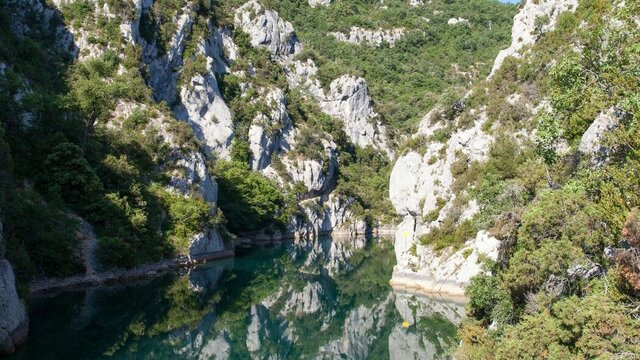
92	91
432	60
566	203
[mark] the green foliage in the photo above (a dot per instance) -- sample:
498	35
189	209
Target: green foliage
406	79
249	200
41	237
595	326
449	234
187	216
69	176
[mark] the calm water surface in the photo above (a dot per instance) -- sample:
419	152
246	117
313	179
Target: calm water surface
328	299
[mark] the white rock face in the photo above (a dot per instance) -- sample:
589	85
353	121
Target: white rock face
349	100
206	243
524	30
13	317
591	141
446	273
312	172
163	74
271	133
458	21
415	179
416	183
326	214
267	29
207	113
358	35
314	3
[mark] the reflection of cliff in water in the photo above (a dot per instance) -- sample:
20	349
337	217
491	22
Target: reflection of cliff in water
327	299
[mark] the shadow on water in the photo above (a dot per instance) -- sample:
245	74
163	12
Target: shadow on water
323	299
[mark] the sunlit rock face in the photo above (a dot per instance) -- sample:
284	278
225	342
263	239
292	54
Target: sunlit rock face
358	35
417	183
422	182
14	323
524	31
271	133
348	100
267	29
314	3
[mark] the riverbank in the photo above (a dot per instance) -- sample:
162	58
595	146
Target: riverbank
46	285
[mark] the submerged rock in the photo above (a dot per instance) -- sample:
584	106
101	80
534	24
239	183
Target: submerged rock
14	324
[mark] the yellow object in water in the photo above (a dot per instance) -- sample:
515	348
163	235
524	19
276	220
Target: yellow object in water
405	234
405	324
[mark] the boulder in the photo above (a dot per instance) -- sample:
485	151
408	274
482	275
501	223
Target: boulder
591	140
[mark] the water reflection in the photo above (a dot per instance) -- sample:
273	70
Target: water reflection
327	299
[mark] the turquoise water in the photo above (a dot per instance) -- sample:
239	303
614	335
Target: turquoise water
328	299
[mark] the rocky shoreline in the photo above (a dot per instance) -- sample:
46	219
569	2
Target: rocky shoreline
47	285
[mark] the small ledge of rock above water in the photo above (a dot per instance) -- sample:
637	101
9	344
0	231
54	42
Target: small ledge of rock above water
14	324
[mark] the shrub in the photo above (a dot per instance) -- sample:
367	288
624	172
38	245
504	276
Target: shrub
249	200
449	234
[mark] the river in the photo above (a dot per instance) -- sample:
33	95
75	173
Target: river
326	299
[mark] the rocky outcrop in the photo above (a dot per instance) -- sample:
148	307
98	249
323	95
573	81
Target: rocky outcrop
348	100
417	181
187	172
266	29
207	113
534	18
591	141
14	324
358	35
448	272
327	214
314	3
271	133
458	21
420	184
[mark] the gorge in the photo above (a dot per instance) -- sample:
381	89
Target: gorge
403	179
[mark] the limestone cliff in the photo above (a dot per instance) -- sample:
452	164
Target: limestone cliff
423	185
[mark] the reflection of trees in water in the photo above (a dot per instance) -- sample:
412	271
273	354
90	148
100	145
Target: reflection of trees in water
290	302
